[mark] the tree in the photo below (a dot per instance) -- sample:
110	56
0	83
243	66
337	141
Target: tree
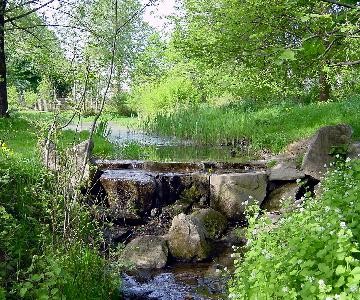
10	12
297	41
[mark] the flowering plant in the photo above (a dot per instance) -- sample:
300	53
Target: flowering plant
312	252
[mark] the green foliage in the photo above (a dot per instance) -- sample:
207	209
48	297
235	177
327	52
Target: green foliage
174	91
312	253
76	273
39	258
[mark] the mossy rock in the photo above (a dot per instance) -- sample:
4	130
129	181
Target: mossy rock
214	222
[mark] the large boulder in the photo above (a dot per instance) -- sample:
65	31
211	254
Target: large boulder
214	222
187	239
285	171
147	252
278	197
130	192
321	145
231	193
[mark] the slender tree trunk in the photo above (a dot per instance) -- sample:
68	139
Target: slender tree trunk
3	90
325	87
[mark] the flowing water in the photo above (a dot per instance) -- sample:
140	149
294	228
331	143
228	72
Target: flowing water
178	281
181	281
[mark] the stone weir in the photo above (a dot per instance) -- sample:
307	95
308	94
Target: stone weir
138	189
181	210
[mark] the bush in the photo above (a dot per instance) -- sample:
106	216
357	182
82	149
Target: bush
312	253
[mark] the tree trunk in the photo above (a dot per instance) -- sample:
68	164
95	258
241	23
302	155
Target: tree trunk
3	90
325	87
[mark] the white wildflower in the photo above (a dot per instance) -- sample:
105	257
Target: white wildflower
321	283
298	180
348	160
285	289
353	288
343	225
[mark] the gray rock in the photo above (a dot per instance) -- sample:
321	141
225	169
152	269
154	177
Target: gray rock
279	196
213	221
173	186
231	193
318	155
187	239
147	252
130	192
354	151
285	171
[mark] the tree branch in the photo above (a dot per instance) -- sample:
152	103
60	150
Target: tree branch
21	5
29	12
346	63
341	4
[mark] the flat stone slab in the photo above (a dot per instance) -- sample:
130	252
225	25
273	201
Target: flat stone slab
285	171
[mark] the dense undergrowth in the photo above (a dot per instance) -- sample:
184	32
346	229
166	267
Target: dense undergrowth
312	253
272	127
43	256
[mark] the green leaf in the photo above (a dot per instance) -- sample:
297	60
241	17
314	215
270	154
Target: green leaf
305	18
340	270
23	291
355	271
288	54
340	282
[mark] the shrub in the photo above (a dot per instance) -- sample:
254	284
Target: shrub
312	253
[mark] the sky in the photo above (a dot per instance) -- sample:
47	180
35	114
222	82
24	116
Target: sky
156	15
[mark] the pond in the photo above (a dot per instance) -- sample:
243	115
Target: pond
136	144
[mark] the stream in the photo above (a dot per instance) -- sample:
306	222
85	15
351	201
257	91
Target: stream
178	281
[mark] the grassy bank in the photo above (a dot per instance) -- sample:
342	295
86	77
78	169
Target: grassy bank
271	128
23	131
40	257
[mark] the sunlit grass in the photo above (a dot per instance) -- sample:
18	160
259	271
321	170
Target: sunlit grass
272	128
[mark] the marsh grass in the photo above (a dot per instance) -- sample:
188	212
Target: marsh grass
271	127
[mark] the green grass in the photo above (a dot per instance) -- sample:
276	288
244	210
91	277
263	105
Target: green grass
272	128
21	133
